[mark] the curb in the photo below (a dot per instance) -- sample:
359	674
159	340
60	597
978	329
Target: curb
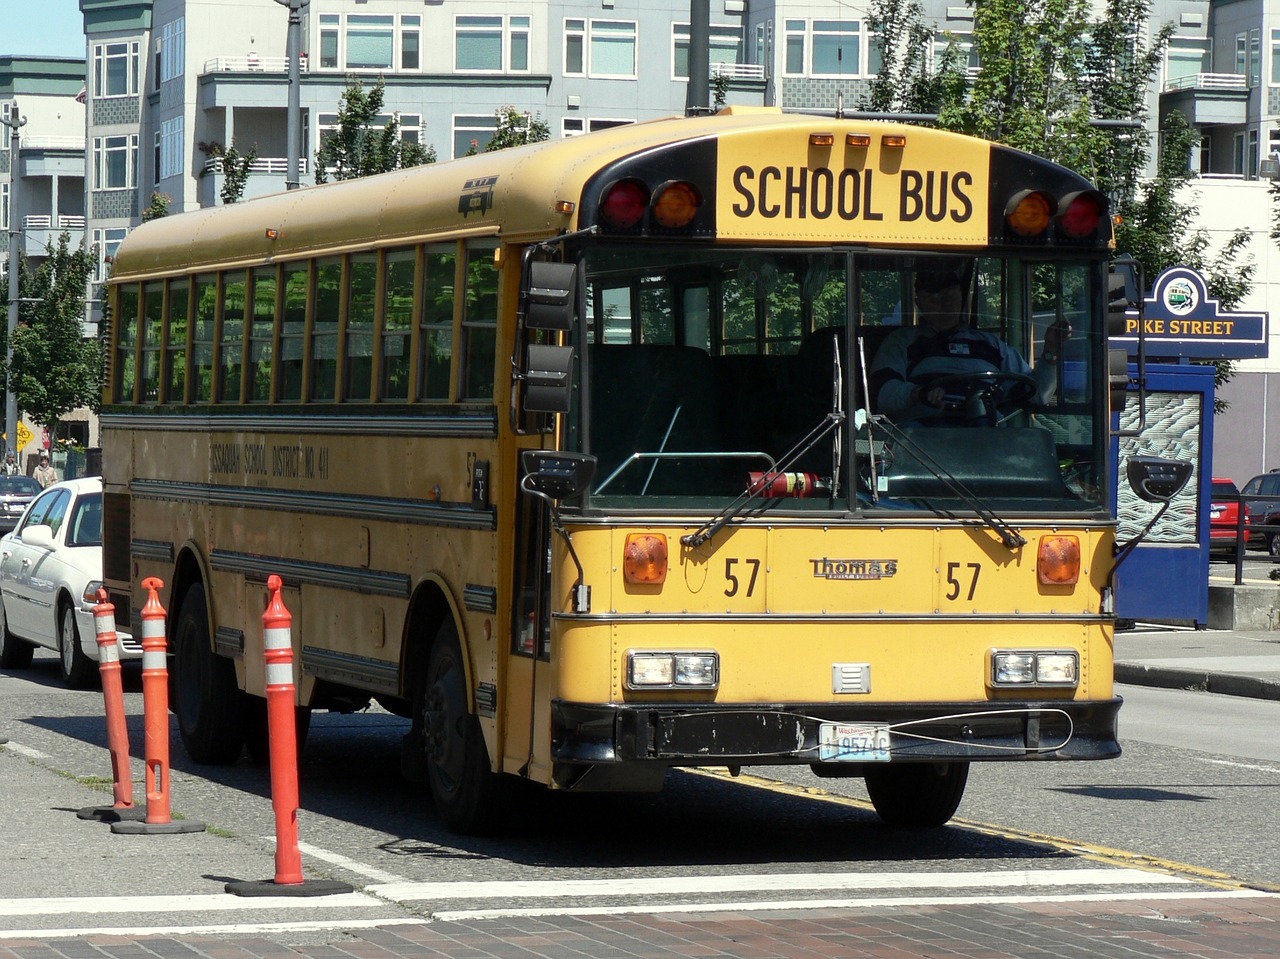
1227	684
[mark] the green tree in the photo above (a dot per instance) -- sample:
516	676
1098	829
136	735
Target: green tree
158	207
516	128
904	83
365	141
234	167
55	368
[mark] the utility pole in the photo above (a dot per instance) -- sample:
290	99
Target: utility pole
15	255
293	49
698	99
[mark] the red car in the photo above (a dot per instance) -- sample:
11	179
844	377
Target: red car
1224	511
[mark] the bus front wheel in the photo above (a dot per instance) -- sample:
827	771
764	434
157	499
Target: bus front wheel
207	701
462	784
917	795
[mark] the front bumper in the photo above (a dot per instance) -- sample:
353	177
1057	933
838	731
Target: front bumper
780	734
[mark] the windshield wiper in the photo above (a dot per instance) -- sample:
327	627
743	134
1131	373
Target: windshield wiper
1009	536
834	420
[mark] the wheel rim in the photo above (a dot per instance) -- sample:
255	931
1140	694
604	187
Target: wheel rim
67	641
444	713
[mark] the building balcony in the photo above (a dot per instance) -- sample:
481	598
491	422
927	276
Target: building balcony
252	63
1208	99
738	71
274	166
42	230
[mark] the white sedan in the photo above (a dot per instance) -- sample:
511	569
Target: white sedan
50	574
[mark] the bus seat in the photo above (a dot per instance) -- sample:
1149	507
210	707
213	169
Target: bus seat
636	391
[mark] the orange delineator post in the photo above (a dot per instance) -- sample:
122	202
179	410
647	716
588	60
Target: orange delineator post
155	708
277	641
282	731
104	624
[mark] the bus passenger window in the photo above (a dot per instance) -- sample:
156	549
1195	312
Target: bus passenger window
324	330
480	323
175	357
231	347
202	340
293	329
357	373
436	339
126	344
152	327
261	334
397	325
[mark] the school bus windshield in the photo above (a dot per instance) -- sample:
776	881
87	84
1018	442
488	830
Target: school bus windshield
830	380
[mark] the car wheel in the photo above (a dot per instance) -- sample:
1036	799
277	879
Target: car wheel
14	653
1273	545
78	670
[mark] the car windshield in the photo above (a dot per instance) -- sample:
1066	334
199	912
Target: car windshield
18	486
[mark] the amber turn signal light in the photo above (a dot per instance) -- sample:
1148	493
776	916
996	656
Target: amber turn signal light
1058	560
644	558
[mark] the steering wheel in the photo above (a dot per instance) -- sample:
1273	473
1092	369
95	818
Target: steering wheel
980	394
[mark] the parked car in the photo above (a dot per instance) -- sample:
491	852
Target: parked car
1224	515
16	493
50	574
1265	512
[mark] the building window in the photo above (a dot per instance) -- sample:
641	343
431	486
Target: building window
612	49
964	46
1255	57
1275	57
116	162
822	48
329	23
1185	57
1242	54
370	42
1251	171
569	127
170	160
471	134
106	242
115	69
6	111
411	43
491	44
173	50
725	43
575	48
363	41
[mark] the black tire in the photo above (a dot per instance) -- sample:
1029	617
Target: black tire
1273	546
462	785
917	795
206	700
14	652
78	670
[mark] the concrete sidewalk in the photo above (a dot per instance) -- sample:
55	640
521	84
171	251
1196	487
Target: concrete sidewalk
1234	662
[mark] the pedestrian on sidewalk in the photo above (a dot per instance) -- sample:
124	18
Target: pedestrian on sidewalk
45	474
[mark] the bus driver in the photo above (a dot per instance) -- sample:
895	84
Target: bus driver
905	372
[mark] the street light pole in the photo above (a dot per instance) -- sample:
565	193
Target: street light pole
293	48
15	251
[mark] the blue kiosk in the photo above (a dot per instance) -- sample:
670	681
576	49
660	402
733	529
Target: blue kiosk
1167	576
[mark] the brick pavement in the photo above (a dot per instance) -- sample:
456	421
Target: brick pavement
1247	928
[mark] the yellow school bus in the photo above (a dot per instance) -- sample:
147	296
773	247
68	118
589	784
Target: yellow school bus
570	454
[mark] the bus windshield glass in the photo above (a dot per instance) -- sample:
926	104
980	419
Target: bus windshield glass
836	380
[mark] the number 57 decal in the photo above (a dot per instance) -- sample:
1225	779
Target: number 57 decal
957	575
732	577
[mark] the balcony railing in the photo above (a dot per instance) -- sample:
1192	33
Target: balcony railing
252	63
277	166
1208	81
44	221
738	71
51	143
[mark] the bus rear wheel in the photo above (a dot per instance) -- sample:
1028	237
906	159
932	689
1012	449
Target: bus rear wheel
462	784
208	703
917	795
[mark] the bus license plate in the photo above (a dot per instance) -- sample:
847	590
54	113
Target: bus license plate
853	743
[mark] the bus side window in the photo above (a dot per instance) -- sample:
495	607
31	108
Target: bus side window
480	323
175	354
397	324
324	330
203	339
357	371
435	340
127	343
293	330
262	330
152	328
231	341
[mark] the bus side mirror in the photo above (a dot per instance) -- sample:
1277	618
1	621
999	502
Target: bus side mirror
1118	377
548	299
555	474
1124	297
1157	480
546	378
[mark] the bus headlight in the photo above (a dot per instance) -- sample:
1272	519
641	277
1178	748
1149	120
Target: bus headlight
670	670
1044	667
